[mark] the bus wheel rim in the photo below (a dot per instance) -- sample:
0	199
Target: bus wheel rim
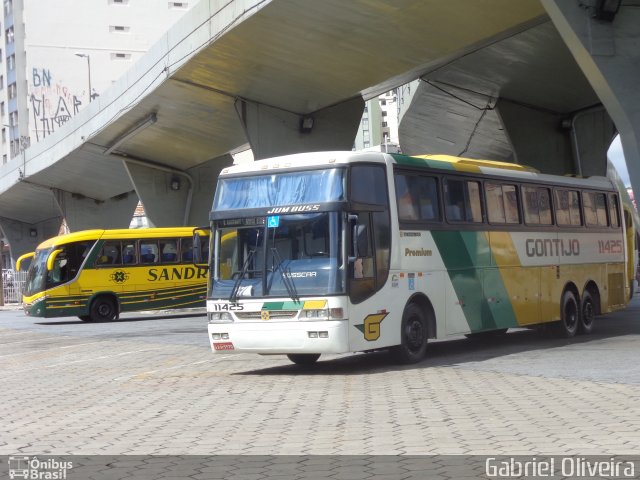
588	314
571	315
415	334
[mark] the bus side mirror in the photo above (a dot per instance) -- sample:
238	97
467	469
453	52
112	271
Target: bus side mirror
353	222
22	258
197	251
52	259
197	245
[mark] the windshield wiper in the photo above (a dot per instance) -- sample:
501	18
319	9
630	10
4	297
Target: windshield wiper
245	268
288	282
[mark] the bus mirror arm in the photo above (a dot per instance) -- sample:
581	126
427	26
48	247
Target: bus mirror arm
353	221
23	258
52	259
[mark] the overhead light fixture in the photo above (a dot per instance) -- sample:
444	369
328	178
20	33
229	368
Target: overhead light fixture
606	10
306	124
33	232
175	183
150	120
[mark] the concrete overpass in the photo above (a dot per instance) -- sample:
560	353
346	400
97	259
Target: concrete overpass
252	71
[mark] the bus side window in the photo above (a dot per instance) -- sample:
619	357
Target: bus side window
110	254
614	214
148	251
417	197
129	254
502	203
590	215
169	249
186	249
568	208
601	209
462	201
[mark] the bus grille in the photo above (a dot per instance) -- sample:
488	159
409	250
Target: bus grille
273	315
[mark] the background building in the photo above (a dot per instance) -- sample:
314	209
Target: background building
379	124
55	57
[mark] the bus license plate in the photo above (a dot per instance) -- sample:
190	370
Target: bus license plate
223	346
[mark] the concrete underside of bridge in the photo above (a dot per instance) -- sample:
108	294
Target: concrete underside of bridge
551	96
248	72
522	99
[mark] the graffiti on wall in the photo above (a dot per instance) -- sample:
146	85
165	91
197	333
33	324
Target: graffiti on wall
52	103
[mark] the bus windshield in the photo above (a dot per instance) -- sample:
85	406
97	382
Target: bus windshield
37	273
286	256
280	189
66	266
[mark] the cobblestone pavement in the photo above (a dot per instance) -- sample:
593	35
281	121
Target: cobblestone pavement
151	386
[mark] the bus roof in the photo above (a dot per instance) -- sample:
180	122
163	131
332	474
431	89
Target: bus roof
115	234
437	162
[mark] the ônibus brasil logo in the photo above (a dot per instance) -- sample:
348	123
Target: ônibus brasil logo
33	468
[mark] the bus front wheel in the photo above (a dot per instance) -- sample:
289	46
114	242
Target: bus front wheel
304	358
103	309
413	336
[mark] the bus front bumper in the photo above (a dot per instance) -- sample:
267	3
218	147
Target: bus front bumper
329	336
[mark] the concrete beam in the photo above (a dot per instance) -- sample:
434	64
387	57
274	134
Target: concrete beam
536	137
555	143
25	237
174	197
609	55
272	131
83	213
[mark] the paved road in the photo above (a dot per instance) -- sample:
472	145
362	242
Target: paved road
148	384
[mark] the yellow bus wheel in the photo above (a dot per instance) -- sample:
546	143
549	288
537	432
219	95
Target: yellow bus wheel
103	309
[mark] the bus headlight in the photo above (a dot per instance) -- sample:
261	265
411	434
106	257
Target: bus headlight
219	317
322	314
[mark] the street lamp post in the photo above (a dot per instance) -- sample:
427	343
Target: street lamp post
86	55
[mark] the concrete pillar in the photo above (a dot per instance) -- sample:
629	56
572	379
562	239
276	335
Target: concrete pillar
174	197
272	132
83	213
25	237
536	137
558	143
608	53
594	132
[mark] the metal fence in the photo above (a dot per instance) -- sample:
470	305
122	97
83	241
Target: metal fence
12	283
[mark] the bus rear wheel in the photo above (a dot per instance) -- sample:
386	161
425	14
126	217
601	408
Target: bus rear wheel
569	315
103	309
304	358
587	313
413	336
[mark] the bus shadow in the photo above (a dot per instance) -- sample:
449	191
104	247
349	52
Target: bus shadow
124	319
459	351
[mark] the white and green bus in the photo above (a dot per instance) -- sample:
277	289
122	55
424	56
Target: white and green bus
335	252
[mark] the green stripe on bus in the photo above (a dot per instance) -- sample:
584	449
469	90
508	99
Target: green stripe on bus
466	258
281	306
421	162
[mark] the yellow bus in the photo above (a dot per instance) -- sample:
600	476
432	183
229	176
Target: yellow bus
338	252
96	274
